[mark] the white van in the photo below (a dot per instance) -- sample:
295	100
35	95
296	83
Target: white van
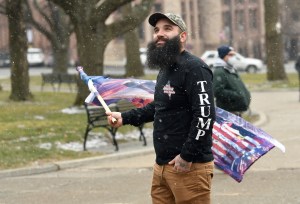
35	57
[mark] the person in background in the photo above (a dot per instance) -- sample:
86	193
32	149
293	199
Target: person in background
183	114
230	92
297	64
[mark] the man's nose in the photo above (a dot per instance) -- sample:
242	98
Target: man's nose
160	33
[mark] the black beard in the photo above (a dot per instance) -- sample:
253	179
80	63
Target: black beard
165	56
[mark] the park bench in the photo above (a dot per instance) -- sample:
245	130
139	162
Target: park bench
96	118
56	79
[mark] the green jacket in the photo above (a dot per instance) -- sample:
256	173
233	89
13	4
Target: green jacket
230	92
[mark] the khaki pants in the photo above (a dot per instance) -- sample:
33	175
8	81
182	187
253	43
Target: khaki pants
171	187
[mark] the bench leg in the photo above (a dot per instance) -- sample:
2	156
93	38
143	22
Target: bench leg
87	130
113	132
142	136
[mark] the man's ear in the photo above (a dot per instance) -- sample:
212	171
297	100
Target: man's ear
183	36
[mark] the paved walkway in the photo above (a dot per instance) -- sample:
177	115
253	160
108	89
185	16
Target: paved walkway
125	176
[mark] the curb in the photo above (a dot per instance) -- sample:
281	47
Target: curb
52	167
262	119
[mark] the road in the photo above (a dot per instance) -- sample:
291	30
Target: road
273	179
36	71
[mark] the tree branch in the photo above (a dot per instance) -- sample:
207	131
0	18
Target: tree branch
131	21
36	24
108	7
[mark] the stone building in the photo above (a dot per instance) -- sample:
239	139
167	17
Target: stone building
290	24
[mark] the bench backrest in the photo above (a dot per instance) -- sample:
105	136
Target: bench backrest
51	78
124	105
68	78
96	115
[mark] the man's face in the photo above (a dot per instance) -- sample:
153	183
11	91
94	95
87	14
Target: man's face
165	30
229	55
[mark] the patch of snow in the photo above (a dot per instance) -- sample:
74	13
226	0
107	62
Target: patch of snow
73	110
39	117
46	146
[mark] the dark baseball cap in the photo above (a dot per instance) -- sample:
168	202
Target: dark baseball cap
176	19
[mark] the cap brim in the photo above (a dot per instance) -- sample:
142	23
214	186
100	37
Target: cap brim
156	17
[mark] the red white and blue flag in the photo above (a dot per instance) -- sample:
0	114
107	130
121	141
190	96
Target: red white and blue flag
237	144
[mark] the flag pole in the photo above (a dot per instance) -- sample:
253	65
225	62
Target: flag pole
93	89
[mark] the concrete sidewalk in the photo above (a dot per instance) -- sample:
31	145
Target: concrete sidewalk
136	149
125	176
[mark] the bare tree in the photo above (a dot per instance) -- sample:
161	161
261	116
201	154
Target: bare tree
57	30
18	49
94	30
274	45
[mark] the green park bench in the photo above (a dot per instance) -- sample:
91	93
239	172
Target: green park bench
96	118
56	79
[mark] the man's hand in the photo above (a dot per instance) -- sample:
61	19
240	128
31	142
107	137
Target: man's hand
117	116
180	165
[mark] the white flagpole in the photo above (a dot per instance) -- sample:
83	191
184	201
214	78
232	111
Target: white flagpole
99	97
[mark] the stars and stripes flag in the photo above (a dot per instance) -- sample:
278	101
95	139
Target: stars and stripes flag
237	144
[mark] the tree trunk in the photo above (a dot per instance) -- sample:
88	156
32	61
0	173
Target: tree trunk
60	59
90	48
18	49
274	46
60	46
134	67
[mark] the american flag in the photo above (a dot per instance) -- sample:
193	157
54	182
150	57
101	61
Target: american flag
237	144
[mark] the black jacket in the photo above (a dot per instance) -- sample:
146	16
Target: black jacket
183	111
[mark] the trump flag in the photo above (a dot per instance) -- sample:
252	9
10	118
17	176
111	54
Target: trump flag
237	144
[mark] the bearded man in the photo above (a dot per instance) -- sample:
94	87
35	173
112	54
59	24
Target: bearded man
183	114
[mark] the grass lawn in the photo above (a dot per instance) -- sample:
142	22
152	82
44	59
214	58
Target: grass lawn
25	126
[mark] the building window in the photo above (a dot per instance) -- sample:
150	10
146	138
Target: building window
226	2
157	7
240	20
253	18
295	16
257	50
192	18
183	9
239	1
200	30
226	19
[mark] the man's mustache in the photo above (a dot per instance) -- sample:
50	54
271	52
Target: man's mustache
161	38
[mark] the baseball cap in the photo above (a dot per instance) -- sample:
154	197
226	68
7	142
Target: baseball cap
176	19
224	50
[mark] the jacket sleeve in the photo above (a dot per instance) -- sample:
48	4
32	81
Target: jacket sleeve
201	100
139	116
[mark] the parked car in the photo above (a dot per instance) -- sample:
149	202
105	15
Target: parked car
143	57
241	63
35	57
4	60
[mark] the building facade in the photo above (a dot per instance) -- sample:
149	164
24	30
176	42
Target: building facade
210	23
290	18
